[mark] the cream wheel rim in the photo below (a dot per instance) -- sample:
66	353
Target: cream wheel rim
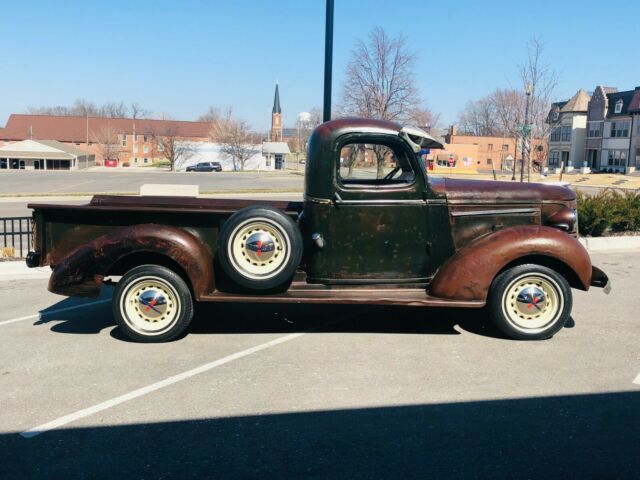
532	302
150	305
259	248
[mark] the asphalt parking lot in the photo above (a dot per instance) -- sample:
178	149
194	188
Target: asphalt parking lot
27	182
265	391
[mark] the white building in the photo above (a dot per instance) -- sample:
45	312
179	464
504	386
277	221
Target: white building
268	156
43	155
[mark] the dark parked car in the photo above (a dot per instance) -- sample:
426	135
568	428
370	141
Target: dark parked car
205	167
374	228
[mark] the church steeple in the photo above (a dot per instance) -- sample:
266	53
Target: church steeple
276	101
276	117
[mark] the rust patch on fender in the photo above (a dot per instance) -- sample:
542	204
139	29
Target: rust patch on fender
469	273
80	273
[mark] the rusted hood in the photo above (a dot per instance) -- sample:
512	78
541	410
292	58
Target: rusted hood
490	191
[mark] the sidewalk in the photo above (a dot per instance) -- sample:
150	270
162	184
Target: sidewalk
18	270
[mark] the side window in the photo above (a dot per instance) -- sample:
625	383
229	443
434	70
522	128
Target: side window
374	164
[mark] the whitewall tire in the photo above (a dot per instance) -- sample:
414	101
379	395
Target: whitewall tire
152	304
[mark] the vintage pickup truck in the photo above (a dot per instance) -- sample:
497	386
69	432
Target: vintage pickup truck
373	228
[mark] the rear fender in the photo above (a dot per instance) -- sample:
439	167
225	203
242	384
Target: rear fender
81	272
469	273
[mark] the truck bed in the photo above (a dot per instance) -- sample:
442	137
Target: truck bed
170	204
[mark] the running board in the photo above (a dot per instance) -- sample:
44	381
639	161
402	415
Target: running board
408	297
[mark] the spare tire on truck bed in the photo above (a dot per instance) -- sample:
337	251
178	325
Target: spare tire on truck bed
260	248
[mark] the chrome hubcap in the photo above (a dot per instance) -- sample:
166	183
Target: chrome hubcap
260	247
150	305
531	300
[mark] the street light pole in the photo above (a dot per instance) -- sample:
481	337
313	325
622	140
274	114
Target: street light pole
328	61
525	131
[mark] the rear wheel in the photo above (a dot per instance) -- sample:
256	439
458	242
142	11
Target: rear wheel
530	302
152	304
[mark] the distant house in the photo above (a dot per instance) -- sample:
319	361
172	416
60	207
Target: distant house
43	155
617	132
568	122
596	116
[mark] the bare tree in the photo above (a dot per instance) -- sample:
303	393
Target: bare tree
212	115
107	141
424	117
168	144
235	138
542	81
114	110
379	82
138	111
479	118
86	108
379	78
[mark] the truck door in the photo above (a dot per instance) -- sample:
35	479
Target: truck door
375	228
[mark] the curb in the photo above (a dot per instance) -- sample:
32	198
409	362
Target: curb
610	244
19	271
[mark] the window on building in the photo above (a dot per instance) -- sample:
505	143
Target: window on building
620	129
135	137
489	161
594	129
145	138
554	158
619	105
505	147
555	115
160	145
446	162
135	159
123	140
268	161
490	147
146	160
566	133
145	149
555	134
617	158
135	148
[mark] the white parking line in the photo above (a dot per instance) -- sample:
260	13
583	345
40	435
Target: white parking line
637	380
59	422
53	312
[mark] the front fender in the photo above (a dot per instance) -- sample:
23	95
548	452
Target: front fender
81	272
469	273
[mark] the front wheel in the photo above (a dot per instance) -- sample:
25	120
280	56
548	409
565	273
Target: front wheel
152	304
530	302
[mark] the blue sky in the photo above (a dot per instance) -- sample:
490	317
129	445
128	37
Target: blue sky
180	57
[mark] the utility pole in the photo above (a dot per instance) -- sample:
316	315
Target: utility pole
525	131
328	61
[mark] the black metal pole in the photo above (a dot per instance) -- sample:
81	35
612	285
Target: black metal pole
328	61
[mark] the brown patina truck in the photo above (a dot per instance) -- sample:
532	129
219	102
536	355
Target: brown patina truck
373	228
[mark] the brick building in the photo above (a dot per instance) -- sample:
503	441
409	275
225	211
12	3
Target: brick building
501	151
125	140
